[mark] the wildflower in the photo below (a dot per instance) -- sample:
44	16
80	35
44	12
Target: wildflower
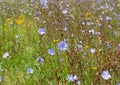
94	68
78	82
106	75
118	84
97	33
40	60
51	51
55	41
108	45
117	48
60	59
89	23
92	31
44	3
108	18
16	36
41	31
5	29
6	54
62	46
64	11
72	78
79	46
99	24
30	70
19	21
110	26
8	20
0	78
92	50
115	33
86	46
65	29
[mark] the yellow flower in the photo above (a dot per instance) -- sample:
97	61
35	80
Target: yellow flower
86	46
89	15
5	29
8	20
55	41
94	67
100	40
19	21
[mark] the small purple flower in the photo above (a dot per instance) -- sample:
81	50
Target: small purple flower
78	82
37	13
65	29
108	18
41	31
30	70
0	78
108	45
40	60
118	18
115	33
72	78
51	51
118	84
44	3
62	46
106	75
117	48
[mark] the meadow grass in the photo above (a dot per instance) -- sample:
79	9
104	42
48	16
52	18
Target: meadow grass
84	36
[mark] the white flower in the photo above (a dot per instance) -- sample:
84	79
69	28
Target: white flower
16	36
6	54
106	75
92	31
64	11
92	50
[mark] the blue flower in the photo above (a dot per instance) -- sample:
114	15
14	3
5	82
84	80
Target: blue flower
117	48
78	82
62	46
44	3
30	70
65	29
106	75
72	78
40	60
51	51
115	33
108	45
41	31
